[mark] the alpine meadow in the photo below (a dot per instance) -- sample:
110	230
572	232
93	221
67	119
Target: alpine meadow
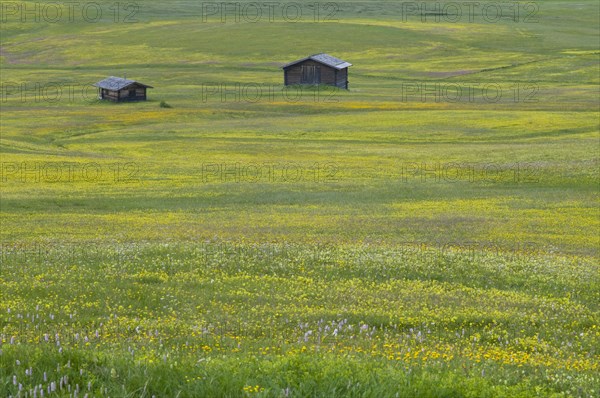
433	230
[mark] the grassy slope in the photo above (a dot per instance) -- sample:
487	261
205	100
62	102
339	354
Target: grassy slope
366	199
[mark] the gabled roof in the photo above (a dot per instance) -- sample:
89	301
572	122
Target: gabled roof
324	59
117	83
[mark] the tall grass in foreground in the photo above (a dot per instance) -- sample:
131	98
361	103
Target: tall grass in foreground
279	319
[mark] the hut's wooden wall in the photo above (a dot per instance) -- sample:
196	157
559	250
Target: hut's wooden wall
327	75
139	94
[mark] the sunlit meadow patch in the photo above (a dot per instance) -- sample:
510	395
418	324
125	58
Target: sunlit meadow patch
432	231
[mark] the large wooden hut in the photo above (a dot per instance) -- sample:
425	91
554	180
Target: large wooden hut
119	89
317	69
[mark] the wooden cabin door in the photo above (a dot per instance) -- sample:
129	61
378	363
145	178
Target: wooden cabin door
311	74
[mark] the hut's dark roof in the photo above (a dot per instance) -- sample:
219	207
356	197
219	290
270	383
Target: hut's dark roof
117	83
324	59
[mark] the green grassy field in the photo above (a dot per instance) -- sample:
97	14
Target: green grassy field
392	240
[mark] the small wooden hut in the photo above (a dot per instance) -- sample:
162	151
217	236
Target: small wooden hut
119	89
317	69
